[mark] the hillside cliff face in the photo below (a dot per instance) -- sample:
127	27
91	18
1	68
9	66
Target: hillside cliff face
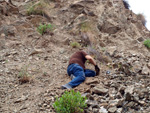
113	34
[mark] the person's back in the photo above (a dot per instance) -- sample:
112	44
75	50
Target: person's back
79	58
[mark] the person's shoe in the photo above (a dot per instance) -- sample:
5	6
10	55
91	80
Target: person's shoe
66	86
72	76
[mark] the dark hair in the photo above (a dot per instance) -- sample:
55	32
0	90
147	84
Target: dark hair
126	4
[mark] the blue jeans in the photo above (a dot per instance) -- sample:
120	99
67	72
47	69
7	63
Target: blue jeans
79	74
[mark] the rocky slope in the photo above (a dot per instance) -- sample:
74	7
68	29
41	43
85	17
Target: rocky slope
112	33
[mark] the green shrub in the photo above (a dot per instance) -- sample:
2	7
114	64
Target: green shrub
75	45
70	102
43	28
147	43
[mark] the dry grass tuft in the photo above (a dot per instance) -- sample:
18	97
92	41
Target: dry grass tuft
142	18
85	39
36	8
85	26
23	75
98	55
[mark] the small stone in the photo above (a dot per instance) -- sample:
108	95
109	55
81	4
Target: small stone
148	65
113	102
129	89
21	99
131	104
112	109
62	51
103	110
145	70
87	111
142	102
137	66
91	103
104	104
3	35
128	97
100	90
35	51
44	105
107	72
112	50
91	97
48	106
95	106
95	110
86	95
90	108
92	81
140	39
40	104
119	110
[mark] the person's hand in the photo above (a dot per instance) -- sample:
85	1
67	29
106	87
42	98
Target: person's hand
97	69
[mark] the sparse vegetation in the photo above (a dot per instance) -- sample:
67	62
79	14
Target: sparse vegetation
126	4
23	75
37	8
70	102
85	39
45	74
85	26
44	28
75	45
147	43
142	18
103	49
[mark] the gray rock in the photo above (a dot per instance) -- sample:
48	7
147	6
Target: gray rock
21	99
128	97
86	95
112	50
100	90
112	109
62	51
8	30
145	70
109	27
87	111
119	110
95	106
35	51
140	39
129	89
103	110
148	65
92	103
95	110
92	81
137	65
113	102
131	104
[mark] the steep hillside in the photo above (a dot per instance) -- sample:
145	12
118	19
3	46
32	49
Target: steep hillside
33	66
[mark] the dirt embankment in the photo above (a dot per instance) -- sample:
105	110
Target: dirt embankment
112	33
